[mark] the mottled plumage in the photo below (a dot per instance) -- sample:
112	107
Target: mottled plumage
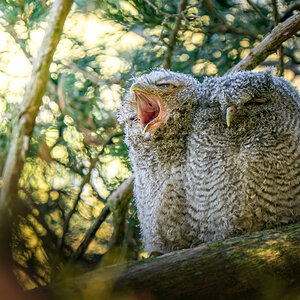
212	160
159	157
244	177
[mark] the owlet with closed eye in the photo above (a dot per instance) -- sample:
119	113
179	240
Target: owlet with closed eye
212	160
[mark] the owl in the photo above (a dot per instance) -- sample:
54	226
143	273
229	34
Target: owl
212	159
157	113
243	156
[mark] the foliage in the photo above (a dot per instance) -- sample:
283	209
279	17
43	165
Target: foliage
104	44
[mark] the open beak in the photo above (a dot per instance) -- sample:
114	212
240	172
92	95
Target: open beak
148	108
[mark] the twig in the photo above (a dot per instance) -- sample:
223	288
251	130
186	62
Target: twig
11	30
255	7
237	31
90	234
289	11
226	27
269	44
172	38
276	18
290	54
60	95
289	65
159	11
123	193
118	203
30	274
91	77
84	182
50	239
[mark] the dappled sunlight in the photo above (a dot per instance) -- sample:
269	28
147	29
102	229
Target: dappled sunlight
62	217
268	255
113	167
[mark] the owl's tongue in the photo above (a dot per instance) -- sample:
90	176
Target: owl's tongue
147	107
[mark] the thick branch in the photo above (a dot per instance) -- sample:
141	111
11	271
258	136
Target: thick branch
31	102
245	267
269	44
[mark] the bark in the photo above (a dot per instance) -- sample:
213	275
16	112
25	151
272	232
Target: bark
35	90
261	265
269	44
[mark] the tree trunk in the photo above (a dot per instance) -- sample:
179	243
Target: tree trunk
261	265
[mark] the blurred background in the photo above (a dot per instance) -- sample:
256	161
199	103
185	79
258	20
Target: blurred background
76	156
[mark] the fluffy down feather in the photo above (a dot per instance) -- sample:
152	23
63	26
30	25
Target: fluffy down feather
212	160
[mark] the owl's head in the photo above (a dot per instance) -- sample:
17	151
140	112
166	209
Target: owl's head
247	100
159	102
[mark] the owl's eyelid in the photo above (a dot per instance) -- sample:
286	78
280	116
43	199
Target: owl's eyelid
256	101
166	84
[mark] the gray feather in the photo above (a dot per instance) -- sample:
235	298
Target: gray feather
198	179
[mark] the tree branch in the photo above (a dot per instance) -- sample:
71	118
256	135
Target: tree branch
121	195
11	30
289	11
31	102
84	182
91	77
173	35
226	27
159	11
118	203
280	51
254	6
245	267
269	44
